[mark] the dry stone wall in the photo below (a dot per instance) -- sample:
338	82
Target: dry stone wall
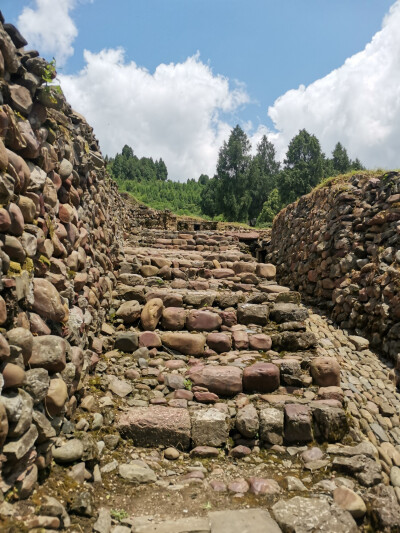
59	241
340	246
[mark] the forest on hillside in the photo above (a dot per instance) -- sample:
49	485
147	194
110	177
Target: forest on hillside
245	188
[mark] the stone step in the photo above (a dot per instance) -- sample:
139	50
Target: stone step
235	521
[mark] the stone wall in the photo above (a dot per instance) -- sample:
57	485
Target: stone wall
340	246
60	216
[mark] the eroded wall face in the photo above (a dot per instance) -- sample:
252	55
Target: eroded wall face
340	247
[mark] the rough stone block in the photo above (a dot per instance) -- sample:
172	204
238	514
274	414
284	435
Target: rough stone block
154	426
209	428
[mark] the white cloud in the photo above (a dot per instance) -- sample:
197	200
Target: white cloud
50	28
358	104
174	113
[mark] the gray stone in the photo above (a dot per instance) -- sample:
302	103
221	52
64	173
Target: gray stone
253	314
120	387
127	342
367	471
286	312
330	423
14	450
247	422
18	405
271	425
82	504
359	342
45	429
69	452
395	476
137	473
37	383
103	522
243	521
49	352
181	525
385	509
297	423
209	428
308	515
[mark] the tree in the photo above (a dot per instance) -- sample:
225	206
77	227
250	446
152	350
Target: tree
161	170
208	198
203	179
340	159
127	152
304	167
270	208
263	175
233	197
357	165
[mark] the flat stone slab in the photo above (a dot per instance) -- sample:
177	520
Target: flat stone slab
182	525
156	425
301	515
243	521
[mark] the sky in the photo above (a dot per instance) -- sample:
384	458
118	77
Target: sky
171	78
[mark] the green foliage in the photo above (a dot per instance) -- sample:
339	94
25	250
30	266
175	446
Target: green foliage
119	514
244	189
188	384
270	208
303	167
233	197
49	72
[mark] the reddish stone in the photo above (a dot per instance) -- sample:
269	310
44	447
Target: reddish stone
261	377
158	425
259	485
331	393
220	273
229	318
47	301
173	318
37	325
5	220
203	321
149	339
218	486
183	394
205	397
259	341
174	364
17	220
240	451
239	486
186	343
325	371
240	340
222	380
204	451
220	342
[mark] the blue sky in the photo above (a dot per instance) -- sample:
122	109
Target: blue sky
250	55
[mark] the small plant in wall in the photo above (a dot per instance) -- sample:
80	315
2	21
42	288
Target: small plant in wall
188	384
48	76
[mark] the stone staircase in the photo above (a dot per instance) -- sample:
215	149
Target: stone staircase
213	329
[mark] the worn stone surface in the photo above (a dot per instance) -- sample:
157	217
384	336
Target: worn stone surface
156	425
312	514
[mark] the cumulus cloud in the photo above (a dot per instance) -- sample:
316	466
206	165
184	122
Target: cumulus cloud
177	113
357	104
49	27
